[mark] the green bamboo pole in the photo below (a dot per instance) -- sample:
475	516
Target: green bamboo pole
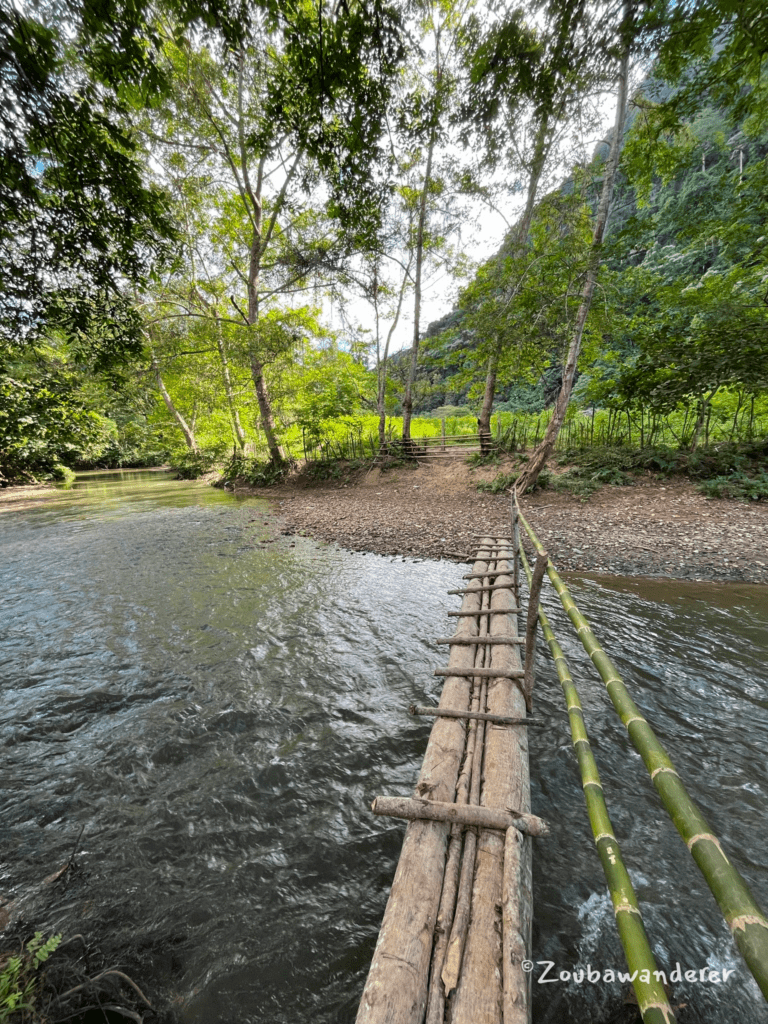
744	917
651	997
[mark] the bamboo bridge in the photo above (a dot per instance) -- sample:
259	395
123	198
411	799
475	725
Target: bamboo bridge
457	927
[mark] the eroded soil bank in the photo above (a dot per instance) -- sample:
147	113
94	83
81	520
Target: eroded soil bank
656	527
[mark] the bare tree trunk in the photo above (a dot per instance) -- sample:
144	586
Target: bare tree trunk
382	367
539	458
233	411
705	404
408	399
540	152
484	419
276	452
186	430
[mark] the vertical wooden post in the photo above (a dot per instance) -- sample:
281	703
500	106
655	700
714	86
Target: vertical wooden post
516	547
530	626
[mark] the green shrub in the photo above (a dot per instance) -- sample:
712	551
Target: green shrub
63	474
253	472
737	485
613	462
504	481
576	482
190	465
478	459
501	482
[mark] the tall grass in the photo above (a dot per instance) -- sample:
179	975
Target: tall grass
730	419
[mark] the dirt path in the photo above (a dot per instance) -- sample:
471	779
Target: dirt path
654	528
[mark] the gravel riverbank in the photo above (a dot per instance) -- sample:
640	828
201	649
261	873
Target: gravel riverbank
656	527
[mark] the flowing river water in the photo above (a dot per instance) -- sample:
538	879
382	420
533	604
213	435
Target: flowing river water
218	708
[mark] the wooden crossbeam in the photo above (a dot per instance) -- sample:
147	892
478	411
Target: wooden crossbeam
461	814
481	716
481	673
482	590
479	641
485	611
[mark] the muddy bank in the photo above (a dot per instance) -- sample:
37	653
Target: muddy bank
654	528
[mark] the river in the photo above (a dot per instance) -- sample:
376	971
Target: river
217	705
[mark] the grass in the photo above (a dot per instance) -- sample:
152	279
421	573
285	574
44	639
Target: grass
21	979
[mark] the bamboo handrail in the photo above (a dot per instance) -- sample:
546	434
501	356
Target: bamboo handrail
651	997
744	917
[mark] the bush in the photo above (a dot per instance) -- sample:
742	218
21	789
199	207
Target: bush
190	465
252	472
501	483
583	482
611	462
478	459
737	485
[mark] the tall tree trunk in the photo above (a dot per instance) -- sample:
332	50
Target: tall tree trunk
540	152
705	404
381	395
484	419
233	410
539	458
408	399
186	430
276	451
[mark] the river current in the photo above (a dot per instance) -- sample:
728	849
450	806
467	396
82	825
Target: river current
217	709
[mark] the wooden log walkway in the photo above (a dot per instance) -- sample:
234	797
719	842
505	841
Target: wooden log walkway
457	926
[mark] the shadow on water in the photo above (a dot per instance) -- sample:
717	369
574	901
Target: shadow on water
218	708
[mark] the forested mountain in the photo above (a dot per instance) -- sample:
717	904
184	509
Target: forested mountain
683	311
187	189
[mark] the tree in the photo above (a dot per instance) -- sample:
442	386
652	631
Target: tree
520	308
692	296
77	219
424	121
276	131
524	87
538	460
